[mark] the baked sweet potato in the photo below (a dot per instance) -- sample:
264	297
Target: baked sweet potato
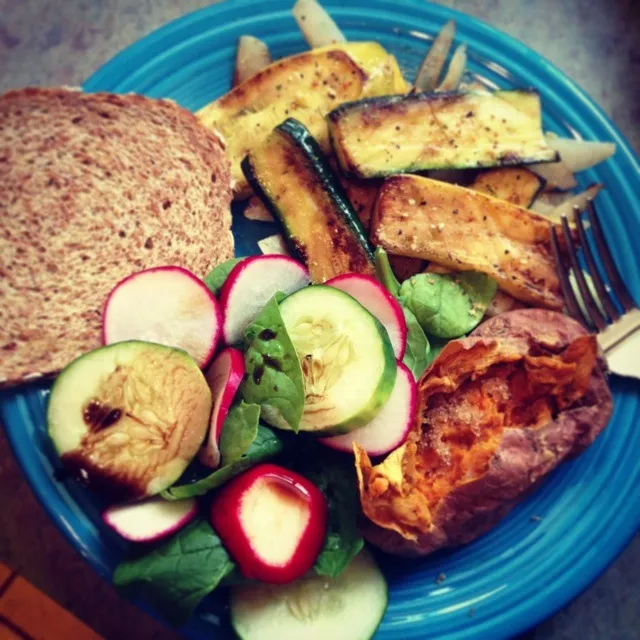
497	411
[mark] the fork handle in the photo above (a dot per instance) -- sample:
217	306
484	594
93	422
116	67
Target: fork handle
621	345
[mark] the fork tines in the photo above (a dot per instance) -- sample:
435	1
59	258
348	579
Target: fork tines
599	310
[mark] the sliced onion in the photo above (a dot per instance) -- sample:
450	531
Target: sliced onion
578	155
580	200
252	56
255	210
453	78
317	26
554	205
556	174
431	67
273	244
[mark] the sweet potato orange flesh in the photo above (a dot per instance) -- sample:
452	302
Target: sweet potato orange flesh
497	411
461	431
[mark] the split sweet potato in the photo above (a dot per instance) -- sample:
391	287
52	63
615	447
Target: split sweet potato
497	411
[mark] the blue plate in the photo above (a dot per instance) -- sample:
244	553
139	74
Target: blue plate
586	512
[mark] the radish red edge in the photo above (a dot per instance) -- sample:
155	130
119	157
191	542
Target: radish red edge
150	520
149	333
224	377
272	521
378	302
390	428
251	284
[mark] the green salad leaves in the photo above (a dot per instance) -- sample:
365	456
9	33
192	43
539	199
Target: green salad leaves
273	376
416	356
384	272
334	474
238	431
437	308
243	444
448	305
342	542
264	446
217	276
175	576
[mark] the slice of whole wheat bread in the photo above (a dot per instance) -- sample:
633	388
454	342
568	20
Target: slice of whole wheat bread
92	188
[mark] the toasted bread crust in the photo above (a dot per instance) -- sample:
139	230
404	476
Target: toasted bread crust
92	188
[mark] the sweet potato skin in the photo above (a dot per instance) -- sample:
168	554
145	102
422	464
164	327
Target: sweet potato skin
522	458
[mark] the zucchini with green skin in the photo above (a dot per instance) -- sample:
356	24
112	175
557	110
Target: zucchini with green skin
517	185
290	174
460	130
306	86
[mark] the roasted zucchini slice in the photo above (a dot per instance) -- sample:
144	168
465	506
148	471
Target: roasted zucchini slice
305	86
290	174
517	185
469	231
402	134
361	193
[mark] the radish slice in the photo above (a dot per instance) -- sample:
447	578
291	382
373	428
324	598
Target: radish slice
379	303
224	378
389	429
165	305
150	520
251	284
272	521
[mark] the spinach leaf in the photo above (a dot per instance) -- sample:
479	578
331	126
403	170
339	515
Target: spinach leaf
266	445
273	377
216	277
384	272
448	305
174	577
436	345
342	542
334	474
416	357
238	431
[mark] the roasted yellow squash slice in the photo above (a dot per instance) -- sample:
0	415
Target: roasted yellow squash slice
468	231
304	86
517	185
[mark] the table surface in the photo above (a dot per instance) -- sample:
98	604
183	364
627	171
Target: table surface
53	42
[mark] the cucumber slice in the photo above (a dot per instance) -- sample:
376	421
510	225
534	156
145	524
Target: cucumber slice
347	360
316	608
127	419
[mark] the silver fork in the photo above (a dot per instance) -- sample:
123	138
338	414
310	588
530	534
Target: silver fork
618	333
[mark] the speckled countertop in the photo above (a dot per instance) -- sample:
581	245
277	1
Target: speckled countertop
595	42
